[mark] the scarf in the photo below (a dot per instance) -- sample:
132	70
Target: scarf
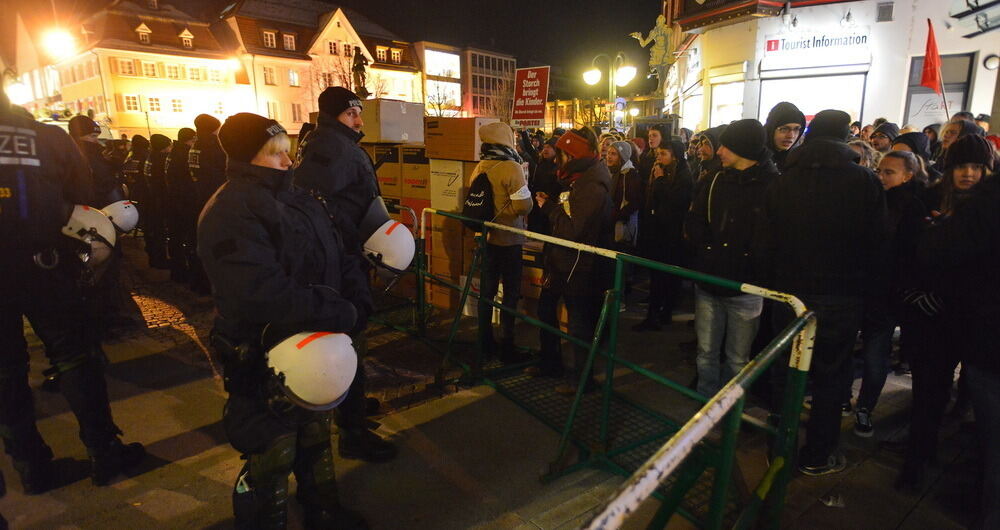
575	168
498	152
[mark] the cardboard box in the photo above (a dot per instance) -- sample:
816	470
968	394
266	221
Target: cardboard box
447	298
389	173
531	282
454	138
447	238
448	185
393	121
415	170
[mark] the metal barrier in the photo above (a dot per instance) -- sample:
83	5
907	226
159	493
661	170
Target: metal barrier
673	460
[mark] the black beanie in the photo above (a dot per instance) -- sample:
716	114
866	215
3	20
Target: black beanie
337	99
830	124
783	113
185	134
245	133
82	126
746	138
140	143
158	142
918	142
206	124
971	149
891	130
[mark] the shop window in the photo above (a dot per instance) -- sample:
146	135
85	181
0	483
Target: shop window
270	39
727	103
923	105
813	94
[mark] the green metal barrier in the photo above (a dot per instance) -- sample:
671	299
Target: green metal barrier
686	459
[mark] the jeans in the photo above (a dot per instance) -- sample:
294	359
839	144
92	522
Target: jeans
984	387
838	321
733	319
500	264
876	334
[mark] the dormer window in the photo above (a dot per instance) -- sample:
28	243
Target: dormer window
153	4
288	41
397	55
144	32
381	53
270	39
187	39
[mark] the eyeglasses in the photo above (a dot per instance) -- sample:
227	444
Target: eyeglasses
784	129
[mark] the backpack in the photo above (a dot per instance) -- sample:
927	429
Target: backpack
479	203
32	208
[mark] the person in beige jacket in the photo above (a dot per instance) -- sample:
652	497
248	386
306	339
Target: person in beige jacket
502	256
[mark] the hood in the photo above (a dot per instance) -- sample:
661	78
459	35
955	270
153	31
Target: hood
781	114
822	152
497	133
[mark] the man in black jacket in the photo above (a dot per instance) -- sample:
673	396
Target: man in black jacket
333	165
722	226
181	217
153	211
207	162
824	223
784	127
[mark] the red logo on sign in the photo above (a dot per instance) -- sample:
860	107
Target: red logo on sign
772	45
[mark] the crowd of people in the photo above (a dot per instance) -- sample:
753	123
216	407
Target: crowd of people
873	227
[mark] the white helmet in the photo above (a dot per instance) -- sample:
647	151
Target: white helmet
391	247
123	214
93	228
314	369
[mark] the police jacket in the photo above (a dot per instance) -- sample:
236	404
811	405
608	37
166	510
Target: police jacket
104	172
824	222
154	172
722	224
272	258
333	164
132	171
180	187
207	162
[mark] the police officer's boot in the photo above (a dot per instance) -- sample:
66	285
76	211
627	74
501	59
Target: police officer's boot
32	457
317	483
260	496
114	458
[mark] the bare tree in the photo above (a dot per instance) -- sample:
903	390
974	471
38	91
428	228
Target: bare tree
332	70
439	103
592	112
378	85
499	102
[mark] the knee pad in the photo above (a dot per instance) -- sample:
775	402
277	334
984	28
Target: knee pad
260	495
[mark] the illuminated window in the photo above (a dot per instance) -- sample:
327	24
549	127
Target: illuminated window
288	41
215	75
272	110
154	104
270	39
443	64
347	50
296	112
328	80
126	66
293	78
132	103
173	71
381	54
187	42
397	56
220	107
268	75
149	69
177	105
333	47
144	38
194	74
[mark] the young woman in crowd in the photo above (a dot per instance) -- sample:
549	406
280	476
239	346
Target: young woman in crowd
869	156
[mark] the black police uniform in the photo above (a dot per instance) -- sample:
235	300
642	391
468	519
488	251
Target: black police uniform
52	302
179	212
275	265
207	162
154	210
132	172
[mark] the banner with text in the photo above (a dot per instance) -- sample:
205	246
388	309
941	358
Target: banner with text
531	91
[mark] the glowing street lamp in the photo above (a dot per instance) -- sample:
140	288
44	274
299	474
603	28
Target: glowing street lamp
18	93
59	44
634	111
592	76
620	73
624	75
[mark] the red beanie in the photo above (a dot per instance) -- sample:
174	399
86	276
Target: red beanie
575	145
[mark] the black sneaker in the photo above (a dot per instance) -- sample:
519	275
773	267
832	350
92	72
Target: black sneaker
362	444
833	464
115	459
863	423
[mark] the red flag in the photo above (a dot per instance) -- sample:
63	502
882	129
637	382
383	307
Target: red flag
931	77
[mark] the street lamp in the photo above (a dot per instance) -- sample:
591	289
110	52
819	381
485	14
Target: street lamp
634	111
59	44
620	73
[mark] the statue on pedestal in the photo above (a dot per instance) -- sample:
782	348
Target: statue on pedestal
359	73
660	54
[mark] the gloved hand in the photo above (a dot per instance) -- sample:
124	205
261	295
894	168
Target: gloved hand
928	303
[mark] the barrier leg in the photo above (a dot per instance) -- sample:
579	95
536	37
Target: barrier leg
724	472
609	370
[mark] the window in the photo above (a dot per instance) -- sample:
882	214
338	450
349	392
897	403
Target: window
144	38
328	80
923	106
272	110
177	105
132	103
215	75
220	107
187	42
296	112
397	56
381	54
268	75
270	39
333	47
154	104
293	78
126	66
149	69
288	41
443	64
194	74
347	49
78	72
173	71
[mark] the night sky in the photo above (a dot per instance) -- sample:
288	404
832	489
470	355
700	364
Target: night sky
561	33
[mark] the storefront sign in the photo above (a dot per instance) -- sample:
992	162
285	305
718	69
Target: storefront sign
817	48
531	90
806	42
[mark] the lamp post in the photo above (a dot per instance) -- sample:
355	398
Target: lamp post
620	73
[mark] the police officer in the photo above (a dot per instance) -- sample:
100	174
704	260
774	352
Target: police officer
276	269
207	162
180	213
103	170
132	169
332	164
154	210
41	270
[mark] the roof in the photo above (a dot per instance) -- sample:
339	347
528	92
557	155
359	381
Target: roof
116	28
408	61
252	31
309	13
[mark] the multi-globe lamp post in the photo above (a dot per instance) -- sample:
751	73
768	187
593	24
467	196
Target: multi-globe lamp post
620	73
